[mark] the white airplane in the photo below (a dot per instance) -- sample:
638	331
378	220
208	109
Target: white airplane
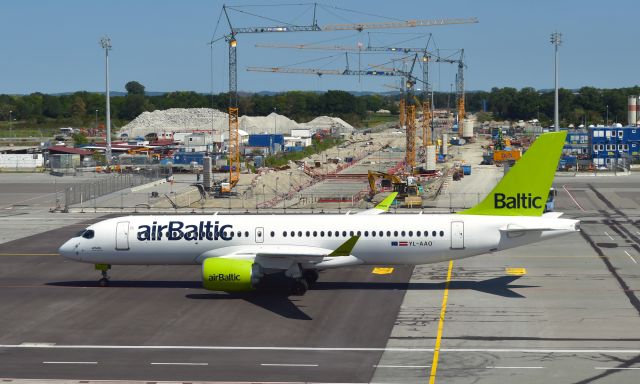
238	252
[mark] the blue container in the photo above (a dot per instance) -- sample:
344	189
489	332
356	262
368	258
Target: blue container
265	140
466	169
186	158
258	161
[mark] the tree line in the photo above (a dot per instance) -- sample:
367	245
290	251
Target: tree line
586	104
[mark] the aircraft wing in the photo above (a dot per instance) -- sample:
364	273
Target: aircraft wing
382	207
283	256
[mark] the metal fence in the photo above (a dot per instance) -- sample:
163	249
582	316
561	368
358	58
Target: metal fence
82	192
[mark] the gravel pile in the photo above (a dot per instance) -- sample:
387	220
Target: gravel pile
201	119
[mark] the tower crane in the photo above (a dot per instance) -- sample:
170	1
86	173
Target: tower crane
427	57
231	39
409	114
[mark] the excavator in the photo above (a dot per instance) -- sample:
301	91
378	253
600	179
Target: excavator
407	189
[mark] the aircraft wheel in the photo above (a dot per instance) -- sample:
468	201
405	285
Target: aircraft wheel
104	282
310	276
299	287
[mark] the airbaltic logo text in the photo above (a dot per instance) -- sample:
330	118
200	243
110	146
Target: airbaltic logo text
223	277
177	230
519	201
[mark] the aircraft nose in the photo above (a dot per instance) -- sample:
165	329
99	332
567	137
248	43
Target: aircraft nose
69	249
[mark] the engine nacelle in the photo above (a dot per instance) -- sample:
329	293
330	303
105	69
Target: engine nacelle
230	275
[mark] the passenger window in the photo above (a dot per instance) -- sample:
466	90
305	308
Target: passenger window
321	233
388	233
380	233
426	233
273	234
337	233
434	233
403	233
351	233
315	233
441	233
329	233
359	233
284	233
395	233
299	233
373	233
308	233
293	234
344	233
88	234
410	233
418	233
239	234
246	233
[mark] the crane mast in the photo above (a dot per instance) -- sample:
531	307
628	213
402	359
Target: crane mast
234	144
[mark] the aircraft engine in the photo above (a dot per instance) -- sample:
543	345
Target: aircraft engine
230	275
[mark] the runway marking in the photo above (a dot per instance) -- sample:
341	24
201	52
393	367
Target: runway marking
29	254
401	366
314	349
179	364
631	257
69	362
490	367
287	365
515	271
382	271
606	233
615	368
571	197
443	311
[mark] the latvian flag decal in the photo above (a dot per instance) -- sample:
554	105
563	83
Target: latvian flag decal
399	243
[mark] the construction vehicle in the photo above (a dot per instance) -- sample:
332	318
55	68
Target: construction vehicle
407	189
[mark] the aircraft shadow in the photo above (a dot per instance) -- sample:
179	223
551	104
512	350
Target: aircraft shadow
281	303
499	286
129	284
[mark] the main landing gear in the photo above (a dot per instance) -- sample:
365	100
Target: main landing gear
301	285
104	268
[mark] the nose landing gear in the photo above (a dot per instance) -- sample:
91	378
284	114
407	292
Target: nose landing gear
104	268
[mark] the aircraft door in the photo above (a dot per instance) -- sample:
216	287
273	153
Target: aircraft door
122	236
457	235
259	235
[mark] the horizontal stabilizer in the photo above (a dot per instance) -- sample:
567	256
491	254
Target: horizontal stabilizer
382	207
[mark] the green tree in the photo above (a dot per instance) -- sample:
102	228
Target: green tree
78	108
134	88
79	139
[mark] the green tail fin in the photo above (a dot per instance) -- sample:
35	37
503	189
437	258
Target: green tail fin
523	191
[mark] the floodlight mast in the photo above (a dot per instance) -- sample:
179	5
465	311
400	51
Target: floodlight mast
105	43
556	40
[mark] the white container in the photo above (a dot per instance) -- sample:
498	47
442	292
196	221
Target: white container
430	157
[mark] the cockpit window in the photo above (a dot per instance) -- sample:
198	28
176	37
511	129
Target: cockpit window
80	233
88	234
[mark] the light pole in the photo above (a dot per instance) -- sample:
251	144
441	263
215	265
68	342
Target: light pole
10	129
556	40
273	144
607	115
105	43
96	120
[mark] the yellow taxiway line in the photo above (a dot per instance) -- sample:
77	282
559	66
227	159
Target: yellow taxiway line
443	311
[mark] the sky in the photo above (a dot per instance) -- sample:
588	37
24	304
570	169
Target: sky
53	46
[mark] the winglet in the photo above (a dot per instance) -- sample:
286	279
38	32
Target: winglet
386	203
345	248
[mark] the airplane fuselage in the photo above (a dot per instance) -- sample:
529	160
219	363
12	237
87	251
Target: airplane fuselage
383	239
